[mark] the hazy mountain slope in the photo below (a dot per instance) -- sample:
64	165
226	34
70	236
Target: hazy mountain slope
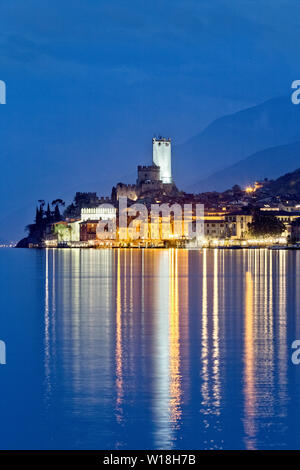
287	184
234	137
269	163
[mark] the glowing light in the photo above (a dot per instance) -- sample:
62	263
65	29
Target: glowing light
249	189
119	360
175	385
249	389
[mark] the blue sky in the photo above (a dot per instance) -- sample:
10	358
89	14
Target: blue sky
90	82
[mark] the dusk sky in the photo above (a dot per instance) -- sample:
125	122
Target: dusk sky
90	82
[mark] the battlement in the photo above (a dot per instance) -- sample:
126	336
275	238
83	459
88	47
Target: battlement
148	167
148	173
127	186
104	199
127	190
161	139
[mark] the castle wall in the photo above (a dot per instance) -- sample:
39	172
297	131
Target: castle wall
127	190
148	173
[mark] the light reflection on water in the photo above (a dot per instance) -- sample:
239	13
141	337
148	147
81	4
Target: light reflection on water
167	349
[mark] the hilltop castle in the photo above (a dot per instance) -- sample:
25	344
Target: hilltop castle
151	179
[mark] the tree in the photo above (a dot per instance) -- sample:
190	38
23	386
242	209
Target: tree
236	188
114	194
57	215
56	203
264	225
72	211
48	213
39	217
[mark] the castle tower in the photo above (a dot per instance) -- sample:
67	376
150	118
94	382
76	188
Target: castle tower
162	157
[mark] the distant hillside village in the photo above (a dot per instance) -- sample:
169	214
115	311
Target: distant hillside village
266	213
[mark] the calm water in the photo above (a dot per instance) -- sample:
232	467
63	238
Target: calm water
129	349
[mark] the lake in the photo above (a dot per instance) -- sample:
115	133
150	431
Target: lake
149	349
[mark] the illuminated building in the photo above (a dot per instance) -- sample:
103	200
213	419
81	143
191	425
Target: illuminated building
237	223
251	189
101	212
88	230
295	231
215	228
161	152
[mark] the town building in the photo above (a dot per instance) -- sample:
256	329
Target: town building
215	228
226	217
100	212
238	224
287	217
88	230
295	231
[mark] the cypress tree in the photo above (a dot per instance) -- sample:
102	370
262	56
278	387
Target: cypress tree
57	213
37	214
48	213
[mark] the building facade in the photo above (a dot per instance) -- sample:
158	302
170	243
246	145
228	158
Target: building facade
238	224
101	212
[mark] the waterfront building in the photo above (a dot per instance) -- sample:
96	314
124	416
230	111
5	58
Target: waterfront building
63	232
287	217
88	230
295	231
238	224
215	228
100	212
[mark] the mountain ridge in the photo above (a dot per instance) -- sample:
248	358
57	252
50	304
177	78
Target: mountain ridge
269	163
234	137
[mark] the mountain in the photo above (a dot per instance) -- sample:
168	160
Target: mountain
269	163
287	184
234	137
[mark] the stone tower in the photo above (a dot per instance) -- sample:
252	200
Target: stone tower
161	148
